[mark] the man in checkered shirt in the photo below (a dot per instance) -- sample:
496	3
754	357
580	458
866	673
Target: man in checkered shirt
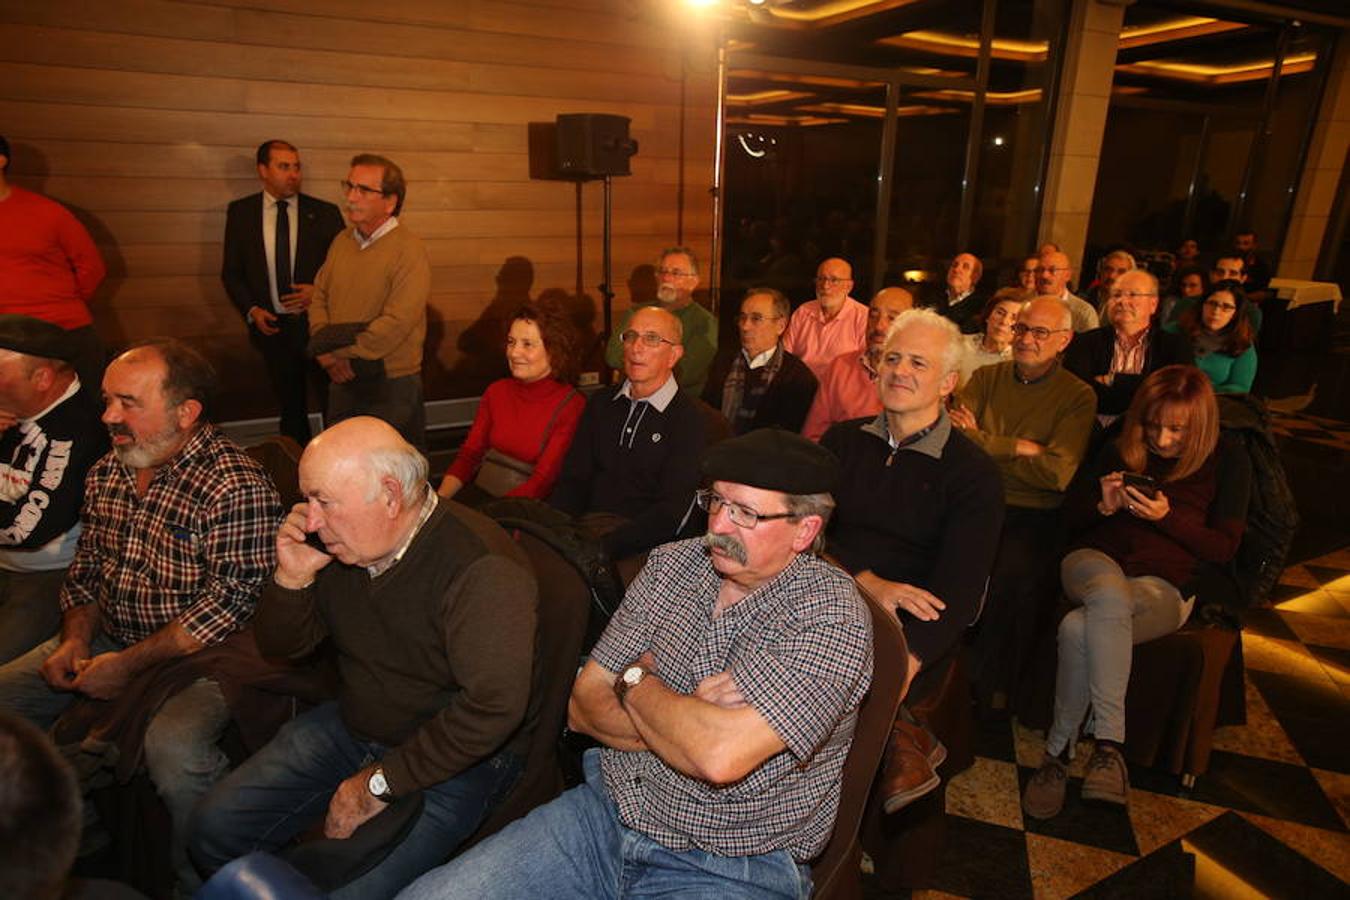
725	691
177	540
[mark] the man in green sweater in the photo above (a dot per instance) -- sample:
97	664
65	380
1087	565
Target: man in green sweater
1034	418
431	609
368	319
677	278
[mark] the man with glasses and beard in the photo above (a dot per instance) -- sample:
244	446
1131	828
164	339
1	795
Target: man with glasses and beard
676	281
177	541
724	692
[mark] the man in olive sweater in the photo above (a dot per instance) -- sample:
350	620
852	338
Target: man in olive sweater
1034	418
431	608
368	319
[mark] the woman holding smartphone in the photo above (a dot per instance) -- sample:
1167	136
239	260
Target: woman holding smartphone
1168	495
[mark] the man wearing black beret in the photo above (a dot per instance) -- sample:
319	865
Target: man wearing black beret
725	691
50	434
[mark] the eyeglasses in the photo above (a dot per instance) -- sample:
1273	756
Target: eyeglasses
830	279
1131	295
1049	270
1224	307
648	338
349	186
712	503
754	318
673	273
1036	331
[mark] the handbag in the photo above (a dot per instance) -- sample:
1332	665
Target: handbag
499	473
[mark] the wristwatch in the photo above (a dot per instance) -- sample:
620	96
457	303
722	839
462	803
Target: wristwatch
628	679
378	785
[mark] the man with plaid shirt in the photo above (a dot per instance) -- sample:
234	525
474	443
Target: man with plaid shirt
177	540
725	691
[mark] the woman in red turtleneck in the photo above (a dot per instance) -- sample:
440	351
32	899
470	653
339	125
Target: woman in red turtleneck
530	416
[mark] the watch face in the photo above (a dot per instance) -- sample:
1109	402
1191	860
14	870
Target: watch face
633	675
378	786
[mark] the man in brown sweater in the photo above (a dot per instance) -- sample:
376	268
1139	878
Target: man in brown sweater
1034	418
368	319
431	609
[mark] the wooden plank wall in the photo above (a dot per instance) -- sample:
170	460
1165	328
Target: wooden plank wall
143	116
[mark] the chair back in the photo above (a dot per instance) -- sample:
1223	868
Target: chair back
564	608
279	455
835	872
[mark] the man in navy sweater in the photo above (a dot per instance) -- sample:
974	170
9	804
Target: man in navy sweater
632	469
917	521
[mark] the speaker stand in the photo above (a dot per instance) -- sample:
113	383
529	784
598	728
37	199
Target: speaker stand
607	285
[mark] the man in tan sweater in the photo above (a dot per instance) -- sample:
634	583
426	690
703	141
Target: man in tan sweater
368	320
1035	421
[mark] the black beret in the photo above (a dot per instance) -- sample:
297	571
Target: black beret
773	459
34	337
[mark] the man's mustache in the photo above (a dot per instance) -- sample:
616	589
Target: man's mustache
728	545
118	428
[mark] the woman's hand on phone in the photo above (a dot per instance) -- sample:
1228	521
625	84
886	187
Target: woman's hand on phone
1142	506
1113	497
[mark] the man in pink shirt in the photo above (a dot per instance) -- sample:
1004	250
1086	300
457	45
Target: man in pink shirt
848	389
49	267
829	325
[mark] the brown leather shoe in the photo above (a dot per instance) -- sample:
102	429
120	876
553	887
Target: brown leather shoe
909	772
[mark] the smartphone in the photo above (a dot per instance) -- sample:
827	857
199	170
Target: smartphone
1144	484
312	538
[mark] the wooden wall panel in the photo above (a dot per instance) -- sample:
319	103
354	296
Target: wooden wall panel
142	116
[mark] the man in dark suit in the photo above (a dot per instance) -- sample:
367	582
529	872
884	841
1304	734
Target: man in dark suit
959	299
761	384
272	290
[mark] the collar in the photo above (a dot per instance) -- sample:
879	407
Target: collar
270	202
1017	376
819	309
384	565
952	301
660	399
190	448
389	225
70	391
866	362
1131	342
929	441
760	360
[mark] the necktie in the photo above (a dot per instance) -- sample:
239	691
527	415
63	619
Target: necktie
283	250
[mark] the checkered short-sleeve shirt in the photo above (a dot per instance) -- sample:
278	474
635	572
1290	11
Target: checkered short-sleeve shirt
800	650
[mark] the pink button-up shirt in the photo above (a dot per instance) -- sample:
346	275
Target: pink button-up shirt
817	342
848	390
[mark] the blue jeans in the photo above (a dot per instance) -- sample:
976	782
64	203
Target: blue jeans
576	847
285	788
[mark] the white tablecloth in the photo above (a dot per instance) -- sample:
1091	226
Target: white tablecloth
1302	293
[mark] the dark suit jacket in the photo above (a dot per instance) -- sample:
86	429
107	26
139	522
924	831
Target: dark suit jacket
244	267
785	403
1090	353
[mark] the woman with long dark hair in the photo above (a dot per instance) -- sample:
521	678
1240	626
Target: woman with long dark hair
1168	496
524	423
1220	332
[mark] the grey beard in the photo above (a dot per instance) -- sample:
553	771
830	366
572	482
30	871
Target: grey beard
728	545
667	294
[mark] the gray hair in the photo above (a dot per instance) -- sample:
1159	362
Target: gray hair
671	251
952	354
782	307
1117	254
799	506
403	463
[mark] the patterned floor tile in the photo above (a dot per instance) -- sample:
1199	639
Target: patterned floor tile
1063	868
1323	630
1320	602
987	792
1287	657
1261	736
1270	788
1158	819
1336	785
1335	662
983	860
1297	576
1328	849
1235	858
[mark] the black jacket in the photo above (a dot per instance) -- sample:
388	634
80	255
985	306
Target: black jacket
1090	353
785	403
243	269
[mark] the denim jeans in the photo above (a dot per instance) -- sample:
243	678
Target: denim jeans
285	788
181	755
1113	612
576	847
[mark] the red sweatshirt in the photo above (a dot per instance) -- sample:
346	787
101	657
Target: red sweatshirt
49	266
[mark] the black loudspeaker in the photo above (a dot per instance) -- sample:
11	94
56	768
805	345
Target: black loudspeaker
593	145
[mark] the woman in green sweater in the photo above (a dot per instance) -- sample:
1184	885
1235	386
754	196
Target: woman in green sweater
1220	332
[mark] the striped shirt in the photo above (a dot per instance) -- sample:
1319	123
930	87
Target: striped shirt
799	649
195	549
